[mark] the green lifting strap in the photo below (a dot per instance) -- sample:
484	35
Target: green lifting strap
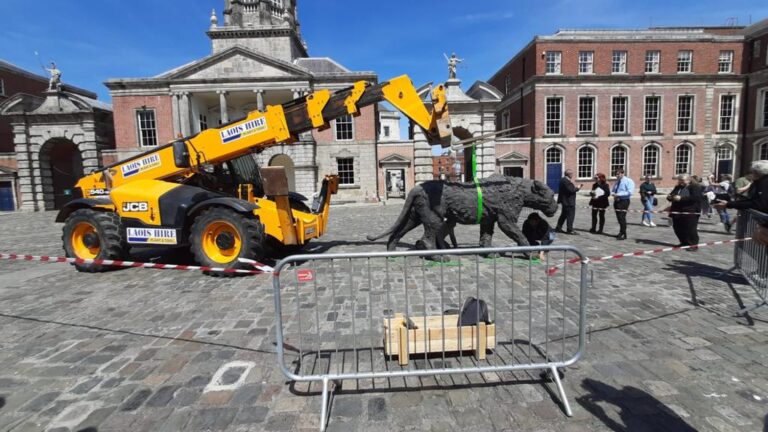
477	186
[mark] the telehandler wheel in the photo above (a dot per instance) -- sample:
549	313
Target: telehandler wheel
219	236
91	234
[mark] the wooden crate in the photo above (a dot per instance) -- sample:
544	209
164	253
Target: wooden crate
422	340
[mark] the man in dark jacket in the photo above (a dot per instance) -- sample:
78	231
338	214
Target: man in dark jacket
567	198
687	198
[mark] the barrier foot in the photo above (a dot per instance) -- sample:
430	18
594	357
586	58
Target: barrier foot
324	406
726	272
561	390
748	309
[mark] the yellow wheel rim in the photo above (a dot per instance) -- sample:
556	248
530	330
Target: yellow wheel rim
221	242
82	231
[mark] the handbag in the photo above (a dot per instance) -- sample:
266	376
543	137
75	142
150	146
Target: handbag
655	202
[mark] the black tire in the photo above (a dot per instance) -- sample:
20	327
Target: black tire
111	243
249	229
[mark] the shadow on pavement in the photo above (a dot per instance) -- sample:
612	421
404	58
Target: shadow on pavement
636	409
700	269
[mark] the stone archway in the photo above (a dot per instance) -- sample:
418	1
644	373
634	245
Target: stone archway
61	166
286	162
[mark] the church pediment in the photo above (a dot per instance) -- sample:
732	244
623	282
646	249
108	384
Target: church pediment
236	62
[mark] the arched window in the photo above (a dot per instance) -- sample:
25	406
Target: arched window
618	159
585	167
554	155
764	151
683	159
651	154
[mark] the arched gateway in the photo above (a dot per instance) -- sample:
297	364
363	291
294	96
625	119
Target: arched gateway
58	138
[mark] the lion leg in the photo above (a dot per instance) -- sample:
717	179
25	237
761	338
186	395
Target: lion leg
399	233
447	230
514	232
486	232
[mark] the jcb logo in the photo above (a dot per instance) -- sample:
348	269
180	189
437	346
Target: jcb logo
135	206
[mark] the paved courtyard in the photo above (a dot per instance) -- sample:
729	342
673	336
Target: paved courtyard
157	350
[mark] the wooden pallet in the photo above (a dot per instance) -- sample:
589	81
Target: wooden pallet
403	342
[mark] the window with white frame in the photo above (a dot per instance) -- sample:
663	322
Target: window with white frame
553	63
586	115
756	49
652	120
203	121
724	153
346	170
386	131
619	114
652	60
651	160
727	103
345	128
764	151
554	116
683	154
508	84
619	62
725	62
585	62
585	167
553	155
146	127
618	159
684	61
685	114
763	120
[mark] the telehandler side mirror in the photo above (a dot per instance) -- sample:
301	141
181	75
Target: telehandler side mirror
181	155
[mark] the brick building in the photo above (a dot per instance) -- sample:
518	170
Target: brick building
756	98
661	101
258	58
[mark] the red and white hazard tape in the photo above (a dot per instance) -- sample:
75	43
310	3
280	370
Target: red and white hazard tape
642	211
554	269
259	267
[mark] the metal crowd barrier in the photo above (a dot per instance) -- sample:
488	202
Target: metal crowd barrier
389	321
750	258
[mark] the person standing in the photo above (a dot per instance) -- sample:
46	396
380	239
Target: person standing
599	202
566	196
757	194
622	192
648	199
686	198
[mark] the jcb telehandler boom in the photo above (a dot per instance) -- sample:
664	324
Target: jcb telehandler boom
207	192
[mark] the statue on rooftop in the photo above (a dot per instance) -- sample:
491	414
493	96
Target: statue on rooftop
54	81
453	63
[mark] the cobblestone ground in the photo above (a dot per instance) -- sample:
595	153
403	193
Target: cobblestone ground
149	350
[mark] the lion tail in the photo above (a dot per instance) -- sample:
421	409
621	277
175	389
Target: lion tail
404	214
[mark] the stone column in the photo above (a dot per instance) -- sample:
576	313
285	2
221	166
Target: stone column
223	106
175	114
422	155
185	114
259	99
24	165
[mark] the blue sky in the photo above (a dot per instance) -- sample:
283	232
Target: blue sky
93	40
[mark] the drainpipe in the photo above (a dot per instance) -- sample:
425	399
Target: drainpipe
746	112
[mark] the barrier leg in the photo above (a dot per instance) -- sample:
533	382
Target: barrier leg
726	272
324	406
748	309
561	390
